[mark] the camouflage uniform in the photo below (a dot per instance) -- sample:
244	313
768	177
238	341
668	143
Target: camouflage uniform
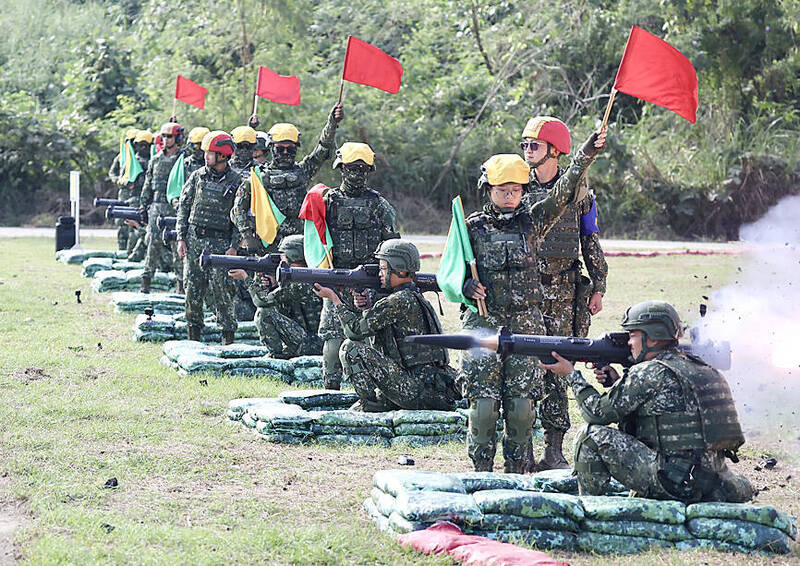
193	160
130	194
505	247
123	230
566	292
677	423
204	223
389	373
154	197
286	186
287	317
358	220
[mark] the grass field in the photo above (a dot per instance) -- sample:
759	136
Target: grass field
83	403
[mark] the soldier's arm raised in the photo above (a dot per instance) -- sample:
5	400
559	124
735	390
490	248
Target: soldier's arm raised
314	160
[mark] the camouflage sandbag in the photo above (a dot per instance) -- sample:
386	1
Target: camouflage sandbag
254	372
154	336
744	533
429	429
404	416
761	514
329	398
546	540
239	406
496	522
125	265
562	481
238	350
529	504
268	428
401	525
79	256
108	280
95	264
481	481
356	430
354	439
645	529
248	420
199	362
282	438
157	322
395	482
604	508
352	419
709	544
282	414
309	376
432	506
382	521
384	502
413	441
174	348
614	544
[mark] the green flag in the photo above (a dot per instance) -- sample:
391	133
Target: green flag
177	177
132	168
457	254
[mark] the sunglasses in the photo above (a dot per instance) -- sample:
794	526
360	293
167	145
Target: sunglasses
530	145
357	168
285	149
167	136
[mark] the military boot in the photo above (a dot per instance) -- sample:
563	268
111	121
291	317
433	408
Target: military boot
553	455
227	337
180	290
145	288
483	459
195	333
516	458
332	380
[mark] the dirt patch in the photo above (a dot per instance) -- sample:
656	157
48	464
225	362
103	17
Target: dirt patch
12	516
30	374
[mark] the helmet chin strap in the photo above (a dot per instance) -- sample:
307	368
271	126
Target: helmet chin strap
660	347
547	156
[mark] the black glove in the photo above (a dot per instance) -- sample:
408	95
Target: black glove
337	113
470	287
588	148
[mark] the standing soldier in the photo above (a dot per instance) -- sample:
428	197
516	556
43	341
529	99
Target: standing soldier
245	139
114	174
130	193
285	180
504	236
195	159
260	152
569	297
359	219
288	316
389	373
204	224
154	197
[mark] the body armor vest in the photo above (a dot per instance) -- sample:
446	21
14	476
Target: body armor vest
421	320
356	227
507	261
162	166
213	200
709	421
287	188
192	164
562	240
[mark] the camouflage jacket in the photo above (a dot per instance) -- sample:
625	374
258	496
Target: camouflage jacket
192	162
287	186
293	300
154	190
131	191
206	202
404	312
114	171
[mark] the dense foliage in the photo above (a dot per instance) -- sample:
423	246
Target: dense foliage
76	73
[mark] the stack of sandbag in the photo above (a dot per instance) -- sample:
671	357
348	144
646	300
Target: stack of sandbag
512	507
161	303
323	416
117	280
189	357
163	327
95	264
79	256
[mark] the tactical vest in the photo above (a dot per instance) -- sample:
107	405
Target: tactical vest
710	421
507	261
162	166
356	227
213	200
287	188
562	240
409	355
240	166
192	164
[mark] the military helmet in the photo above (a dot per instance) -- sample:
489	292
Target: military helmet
354	151
283	132
143	136
549	129
401	255
219	142
197	134
504	168
657	319
243	134
171	128
130	134
293	247
262	139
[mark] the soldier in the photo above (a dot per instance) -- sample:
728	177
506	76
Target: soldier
204	224
285	180
245	139
114	174
359	219
154	197
260	152
388	373
504	236
288	316
195	158
677	419
130	193
569	298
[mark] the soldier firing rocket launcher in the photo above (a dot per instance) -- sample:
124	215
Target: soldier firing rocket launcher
362	277
267	264
110	202
611	348
127	213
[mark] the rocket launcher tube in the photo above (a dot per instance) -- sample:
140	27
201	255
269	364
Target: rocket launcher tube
362	277
267	264
163	222
109	202
168	236
127	213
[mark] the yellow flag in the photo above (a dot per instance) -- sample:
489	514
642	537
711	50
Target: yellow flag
268	217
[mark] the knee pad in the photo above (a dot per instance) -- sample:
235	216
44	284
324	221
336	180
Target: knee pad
483	414
520	413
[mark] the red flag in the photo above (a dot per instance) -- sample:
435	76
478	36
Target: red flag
365	64
190	92
278	88
313	209
653	70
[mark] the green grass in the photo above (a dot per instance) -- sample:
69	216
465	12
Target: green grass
194	489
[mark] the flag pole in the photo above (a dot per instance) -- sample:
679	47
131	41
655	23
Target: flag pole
608	109
329	256
344	68
174	116
481	302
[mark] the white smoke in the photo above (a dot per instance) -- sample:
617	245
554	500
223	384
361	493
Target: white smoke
759	314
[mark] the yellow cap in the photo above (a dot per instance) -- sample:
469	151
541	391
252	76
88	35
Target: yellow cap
197	134
243	134
283	132
355	151
506	168
130	133
144	136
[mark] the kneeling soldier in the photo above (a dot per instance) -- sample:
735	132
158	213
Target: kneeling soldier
389	373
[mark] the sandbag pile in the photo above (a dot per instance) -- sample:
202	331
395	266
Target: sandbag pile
95	264
161	303
517	507
117	280
321	416
79	256
163	327
189	357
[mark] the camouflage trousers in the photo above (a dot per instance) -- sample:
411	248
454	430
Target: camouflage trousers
123	235
159	257
211	284
285	337
331	331
382	382
554	408
137	247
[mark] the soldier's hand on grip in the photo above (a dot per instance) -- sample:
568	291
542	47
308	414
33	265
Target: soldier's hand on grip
606	376
562	366
361	300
